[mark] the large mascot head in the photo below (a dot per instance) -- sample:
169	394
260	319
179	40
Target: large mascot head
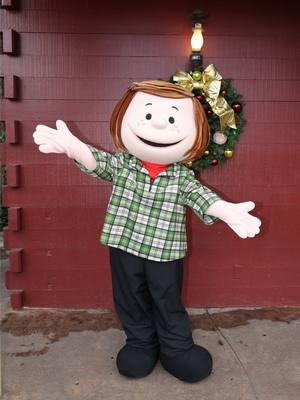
160	122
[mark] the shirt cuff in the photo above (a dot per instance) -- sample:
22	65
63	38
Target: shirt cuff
209	219
83	168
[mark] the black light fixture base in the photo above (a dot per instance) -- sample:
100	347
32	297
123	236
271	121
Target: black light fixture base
196	61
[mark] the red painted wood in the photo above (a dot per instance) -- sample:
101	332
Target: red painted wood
12	132
8	4
52	279
2	153
13	175
239	297
133	18
72	258
17	299
62	44
10	87
75	62
14	219
8	41
140	68
15	260
69	298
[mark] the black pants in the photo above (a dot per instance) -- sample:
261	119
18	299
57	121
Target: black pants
147	298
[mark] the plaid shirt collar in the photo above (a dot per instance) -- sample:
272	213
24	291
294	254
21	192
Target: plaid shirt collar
172	170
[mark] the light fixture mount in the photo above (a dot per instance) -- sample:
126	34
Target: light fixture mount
198	16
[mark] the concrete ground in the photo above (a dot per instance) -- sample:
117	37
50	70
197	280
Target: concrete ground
260	360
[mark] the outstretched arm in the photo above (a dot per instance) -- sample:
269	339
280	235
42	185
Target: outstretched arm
61	140
237	217
211	208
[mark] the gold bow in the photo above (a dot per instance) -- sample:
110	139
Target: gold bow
210	83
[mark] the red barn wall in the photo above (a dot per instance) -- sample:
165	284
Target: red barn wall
74	60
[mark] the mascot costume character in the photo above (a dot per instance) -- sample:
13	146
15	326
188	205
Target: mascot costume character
157	128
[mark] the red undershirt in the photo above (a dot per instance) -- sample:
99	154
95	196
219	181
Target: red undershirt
154	169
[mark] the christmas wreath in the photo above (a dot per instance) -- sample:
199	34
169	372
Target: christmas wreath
224	110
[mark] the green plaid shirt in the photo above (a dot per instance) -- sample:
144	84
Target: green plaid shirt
144	219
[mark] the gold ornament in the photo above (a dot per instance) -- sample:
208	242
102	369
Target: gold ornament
210	84
228	153
196	75
189	164
206	153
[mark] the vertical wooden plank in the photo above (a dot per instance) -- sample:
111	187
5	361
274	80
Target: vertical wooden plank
15	260
10	87
9	41
12	132
2	160
16	299
14	219
13	175
10	4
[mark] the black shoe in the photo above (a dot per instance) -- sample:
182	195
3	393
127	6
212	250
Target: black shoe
136	362
192	365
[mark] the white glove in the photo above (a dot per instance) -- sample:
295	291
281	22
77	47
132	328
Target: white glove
61	140
237	217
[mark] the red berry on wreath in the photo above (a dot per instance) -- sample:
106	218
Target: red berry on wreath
201	98
224	92
237	107
214	162
209	113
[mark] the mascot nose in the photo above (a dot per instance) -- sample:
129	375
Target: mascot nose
159	122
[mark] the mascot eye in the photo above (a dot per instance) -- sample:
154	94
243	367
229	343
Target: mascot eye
171	120
148	116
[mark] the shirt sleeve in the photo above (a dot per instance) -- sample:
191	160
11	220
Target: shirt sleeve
106	167
199	198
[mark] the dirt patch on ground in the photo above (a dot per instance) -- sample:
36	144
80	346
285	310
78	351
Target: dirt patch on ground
55	324
28	353
230	319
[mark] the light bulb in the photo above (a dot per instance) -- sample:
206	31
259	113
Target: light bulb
197	38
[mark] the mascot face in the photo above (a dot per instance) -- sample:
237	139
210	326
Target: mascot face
158	129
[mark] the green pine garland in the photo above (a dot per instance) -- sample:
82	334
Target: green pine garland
216	153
